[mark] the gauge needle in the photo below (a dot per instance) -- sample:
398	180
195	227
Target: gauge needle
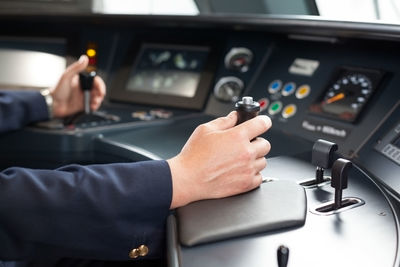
335	98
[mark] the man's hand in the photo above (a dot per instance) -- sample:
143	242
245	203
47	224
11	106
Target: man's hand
219	160
67	95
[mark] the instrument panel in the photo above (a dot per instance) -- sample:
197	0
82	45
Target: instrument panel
164	79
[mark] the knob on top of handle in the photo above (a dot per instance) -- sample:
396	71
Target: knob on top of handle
247	109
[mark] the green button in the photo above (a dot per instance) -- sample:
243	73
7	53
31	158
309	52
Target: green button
275	107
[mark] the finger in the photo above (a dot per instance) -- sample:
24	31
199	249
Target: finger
261	146
256	181
99	87
76	67
223	123
255	127
260	164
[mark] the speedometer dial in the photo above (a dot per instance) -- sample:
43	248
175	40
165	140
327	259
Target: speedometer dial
348	94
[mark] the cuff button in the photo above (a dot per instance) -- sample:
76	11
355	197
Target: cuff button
141	251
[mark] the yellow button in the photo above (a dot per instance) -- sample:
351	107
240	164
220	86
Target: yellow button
141	251
289	111
303	91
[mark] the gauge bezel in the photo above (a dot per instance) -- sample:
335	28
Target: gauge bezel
375	77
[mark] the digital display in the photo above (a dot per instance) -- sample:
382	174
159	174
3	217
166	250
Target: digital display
348	93
168	70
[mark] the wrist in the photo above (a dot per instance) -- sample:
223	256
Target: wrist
179	189
46	93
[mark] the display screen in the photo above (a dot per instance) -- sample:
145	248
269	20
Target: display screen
168	70
348	93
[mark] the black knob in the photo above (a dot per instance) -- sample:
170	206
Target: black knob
86	81
339	179
283	256
247	109
322	156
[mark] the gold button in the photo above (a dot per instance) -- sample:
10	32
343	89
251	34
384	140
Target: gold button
134	253
142	251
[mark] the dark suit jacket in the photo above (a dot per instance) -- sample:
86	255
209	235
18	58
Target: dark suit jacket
96	211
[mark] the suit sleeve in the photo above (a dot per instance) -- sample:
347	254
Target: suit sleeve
96	212
19	108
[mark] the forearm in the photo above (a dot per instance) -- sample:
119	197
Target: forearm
19	108
97	212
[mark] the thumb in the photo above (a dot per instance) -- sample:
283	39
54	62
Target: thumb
76	67
224	123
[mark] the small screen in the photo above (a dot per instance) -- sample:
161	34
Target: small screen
168	70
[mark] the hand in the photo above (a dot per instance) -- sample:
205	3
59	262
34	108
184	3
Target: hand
219	160
67	95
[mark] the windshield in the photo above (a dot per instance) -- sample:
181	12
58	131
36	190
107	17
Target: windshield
381	11
387	11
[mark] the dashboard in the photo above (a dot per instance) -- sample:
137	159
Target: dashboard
315	79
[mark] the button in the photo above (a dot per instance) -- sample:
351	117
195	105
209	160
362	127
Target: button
303	91
275	107
289	111
141	251
274	86
288	89
264	102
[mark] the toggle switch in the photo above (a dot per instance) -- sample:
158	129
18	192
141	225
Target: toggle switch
339	179
322	156
247	109
86	81
283	256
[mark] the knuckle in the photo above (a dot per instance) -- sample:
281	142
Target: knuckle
247	155
202	128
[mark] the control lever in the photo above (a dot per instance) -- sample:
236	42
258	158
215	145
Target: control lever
322	157
339	179
86	81
283	256
247	109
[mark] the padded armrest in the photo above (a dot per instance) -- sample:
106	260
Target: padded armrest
272	206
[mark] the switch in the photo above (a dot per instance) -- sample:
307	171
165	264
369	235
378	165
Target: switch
339	179
247	109
283	256
322	156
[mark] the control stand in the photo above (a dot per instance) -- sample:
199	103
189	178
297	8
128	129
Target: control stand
86	81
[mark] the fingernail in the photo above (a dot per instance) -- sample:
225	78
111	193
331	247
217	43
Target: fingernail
81	59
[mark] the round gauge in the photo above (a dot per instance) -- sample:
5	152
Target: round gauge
239	59
228	89
346	96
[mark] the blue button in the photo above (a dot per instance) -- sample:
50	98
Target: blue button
274	86
288	89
